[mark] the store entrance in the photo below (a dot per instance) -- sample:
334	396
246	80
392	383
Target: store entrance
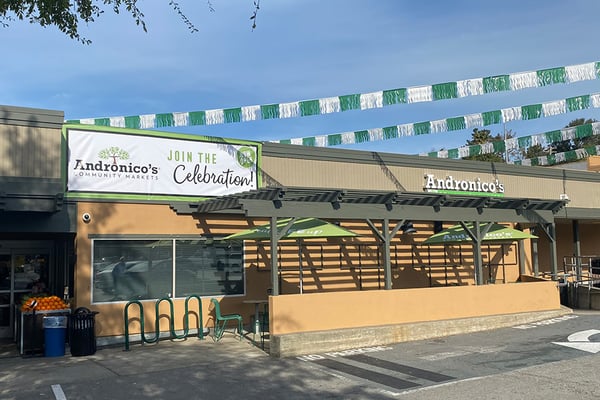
24	269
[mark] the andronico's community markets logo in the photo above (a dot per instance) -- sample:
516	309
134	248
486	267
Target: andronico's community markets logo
128	163
112	163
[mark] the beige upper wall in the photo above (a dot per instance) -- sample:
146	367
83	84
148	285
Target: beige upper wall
30	142
353	174
30	147
30	152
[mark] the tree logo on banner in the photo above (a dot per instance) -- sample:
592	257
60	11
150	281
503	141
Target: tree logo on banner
113	153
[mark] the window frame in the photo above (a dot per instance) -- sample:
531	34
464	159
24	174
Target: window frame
94	239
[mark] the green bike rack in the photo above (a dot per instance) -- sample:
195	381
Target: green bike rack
157	320
186	323
126	317
157	315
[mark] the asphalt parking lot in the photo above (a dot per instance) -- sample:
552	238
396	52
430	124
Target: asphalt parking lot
553	359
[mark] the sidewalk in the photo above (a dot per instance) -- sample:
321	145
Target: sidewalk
230	368
23	374
188	369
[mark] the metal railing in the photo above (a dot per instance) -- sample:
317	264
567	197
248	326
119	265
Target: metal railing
582	270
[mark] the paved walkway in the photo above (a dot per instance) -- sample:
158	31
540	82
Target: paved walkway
194	369
95	376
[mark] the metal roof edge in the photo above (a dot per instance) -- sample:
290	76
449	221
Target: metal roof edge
33	117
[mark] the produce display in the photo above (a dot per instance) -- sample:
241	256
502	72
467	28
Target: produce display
43	303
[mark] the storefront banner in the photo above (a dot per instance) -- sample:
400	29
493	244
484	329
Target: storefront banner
127	163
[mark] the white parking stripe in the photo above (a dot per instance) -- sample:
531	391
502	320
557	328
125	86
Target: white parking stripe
425	388
546	322
58	392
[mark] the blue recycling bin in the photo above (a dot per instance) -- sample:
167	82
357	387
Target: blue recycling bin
55	329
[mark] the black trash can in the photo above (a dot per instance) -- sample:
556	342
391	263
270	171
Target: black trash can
82	337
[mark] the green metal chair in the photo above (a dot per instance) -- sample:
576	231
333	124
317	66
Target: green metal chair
264	326
222	320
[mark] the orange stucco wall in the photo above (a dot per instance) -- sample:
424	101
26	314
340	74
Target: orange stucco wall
326	311
565	247
148	219
331	282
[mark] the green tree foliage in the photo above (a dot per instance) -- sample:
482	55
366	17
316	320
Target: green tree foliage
537	150
577	143
485	136
67	15
563	145
586	141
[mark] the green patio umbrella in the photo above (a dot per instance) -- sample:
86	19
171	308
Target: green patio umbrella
302	228
496	233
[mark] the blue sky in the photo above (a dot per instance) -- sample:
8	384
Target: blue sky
303	50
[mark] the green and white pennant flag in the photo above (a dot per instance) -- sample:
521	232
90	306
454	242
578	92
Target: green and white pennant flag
303	108
469	121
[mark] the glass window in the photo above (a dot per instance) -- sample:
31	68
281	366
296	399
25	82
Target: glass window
146	269
31	272
132	269
208	268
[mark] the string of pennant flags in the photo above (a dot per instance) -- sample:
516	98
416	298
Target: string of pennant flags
469	121
427	93
523	142
360	101
559	158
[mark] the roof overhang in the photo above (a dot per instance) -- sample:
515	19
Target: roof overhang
372	204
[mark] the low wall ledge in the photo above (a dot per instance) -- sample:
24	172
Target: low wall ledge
296	344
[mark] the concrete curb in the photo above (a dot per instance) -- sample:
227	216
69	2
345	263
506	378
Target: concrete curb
343	339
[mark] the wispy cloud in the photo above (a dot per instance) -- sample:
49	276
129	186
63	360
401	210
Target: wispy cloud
301	50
